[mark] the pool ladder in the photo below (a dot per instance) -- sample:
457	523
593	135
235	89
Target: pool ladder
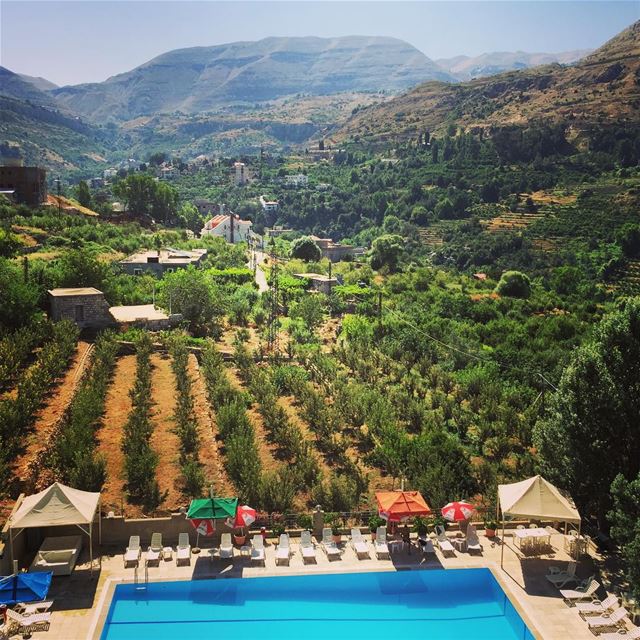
146	576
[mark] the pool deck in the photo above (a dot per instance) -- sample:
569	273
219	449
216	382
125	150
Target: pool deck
82	601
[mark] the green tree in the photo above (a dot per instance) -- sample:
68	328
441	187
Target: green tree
386	251
311	308
83	194
625	525
79	268
628	237
187	291
305	249
590	433
9	243
18	300
514	284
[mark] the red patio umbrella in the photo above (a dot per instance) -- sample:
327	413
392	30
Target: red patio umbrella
458	511
245	515
396	506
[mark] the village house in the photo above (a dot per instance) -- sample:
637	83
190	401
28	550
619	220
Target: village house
228	226
241	174
268	205
298	180
85	306
25	185
318	282
162	261
334	251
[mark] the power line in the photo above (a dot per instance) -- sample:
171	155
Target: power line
451	347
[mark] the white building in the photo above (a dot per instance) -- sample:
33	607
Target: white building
227	226
297	180
268	205
241	175
110	173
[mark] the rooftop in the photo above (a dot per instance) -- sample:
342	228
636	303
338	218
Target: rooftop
174	256
319	277
75	291
137	312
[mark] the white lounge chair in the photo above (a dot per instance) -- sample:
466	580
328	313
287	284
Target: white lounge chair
133	551
426	546
154	552
585	592
329	546
257	548
560	578
596	607
283	550
359	544
226	547
307	548
473	542
443	542
614	620
634	634
26	625
183	550
28	609
381	546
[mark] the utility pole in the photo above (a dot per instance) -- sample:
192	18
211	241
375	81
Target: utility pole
273	302
57	181
380	305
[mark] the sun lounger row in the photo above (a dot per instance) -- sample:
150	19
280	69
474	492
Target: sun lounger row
600	615
156	551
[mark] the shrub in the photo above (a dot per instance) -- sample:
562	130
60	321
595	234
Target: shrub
514	284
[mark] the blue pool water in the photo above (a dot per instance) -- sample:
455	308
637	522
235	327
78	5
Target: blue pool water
430	604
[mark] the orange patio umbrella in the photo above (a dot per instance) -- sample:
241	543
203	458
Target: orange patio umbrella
396	506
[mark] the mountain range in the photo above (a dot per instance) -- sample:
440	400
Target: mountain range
201	79
600	90
280	92
489	64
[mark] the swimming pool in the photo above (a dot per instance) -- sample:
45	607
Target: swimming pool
434	604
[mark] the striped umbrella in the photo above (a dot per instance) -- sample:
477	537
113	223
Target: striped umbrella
458	511
245	516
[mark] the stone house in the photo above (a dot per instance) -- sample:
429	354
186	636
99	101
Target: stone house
85	306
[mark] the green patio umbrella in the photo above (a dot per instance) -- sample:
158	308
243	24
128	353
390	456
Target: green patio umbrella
203	512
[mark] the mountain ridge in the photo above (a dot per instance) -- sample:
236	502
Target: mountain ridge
491	63
199	79
600	90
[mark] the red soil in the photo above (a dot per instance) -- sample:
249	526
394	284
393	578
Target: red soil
164	440
27	467
118	407
210	456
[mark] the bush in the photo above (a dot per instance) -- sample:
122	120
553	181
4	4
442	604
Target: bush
514	284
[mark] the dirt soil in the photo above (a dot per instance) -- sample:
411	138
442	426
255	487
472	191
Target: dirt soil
164	440
210	455
118	407
27	468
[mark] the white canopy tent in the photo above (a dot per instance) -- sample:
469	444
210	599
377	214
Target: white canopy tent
535	498
58	506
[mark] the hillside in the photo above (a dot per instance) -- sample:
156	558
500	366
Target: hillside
602	89
200	79
489	64
13	85
39	83
50	138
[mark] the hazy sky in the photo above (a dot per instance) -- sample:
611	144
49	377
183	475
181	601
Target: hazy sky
86	41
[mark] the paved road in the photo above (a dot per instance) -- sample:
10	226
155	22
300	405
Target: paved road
261	279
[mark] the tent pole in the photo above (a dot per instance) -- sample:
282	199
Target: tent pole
91	547
99	523
11	545
502	543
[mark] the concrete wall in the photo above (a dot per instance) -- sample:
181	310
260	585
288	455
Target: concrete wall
30	183
96	310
